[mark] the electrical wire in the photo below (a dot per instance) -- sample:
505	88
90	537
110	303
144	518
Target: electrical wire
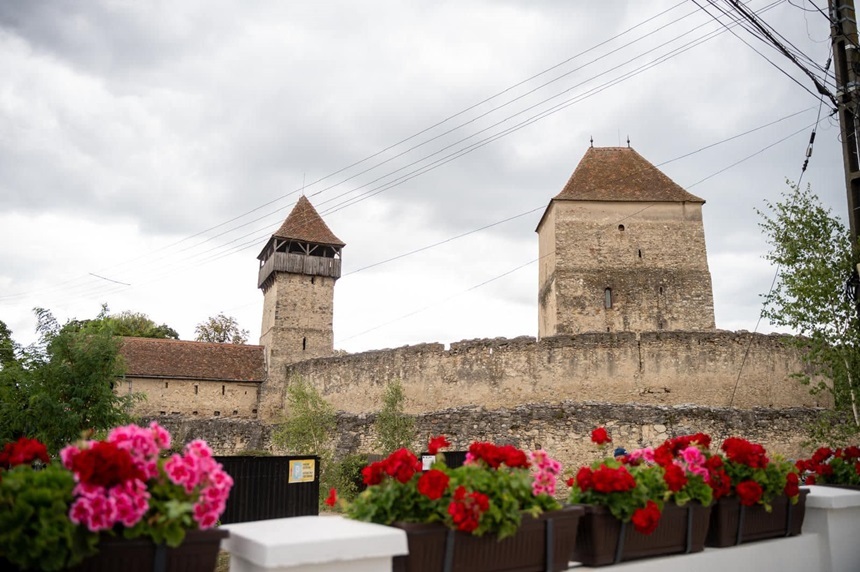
807	156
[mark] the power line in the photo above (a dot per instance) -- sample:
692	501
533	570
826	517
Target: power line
489	139
807	156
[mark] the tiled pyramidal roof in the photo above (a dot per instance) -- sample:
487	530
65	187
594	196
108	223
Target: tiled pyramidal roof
621	174
179	359
306	225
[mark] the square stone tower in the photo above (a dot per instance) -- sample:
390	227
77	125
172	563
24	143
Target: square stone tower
622	248
298	268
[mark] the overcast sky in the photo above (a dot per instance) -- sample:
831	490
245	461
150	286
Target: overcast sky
149	149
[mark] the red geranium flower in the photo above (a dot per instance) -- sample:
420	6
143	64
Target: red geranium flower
437	443
749	492
607	480
664	455
106	465
23	452
494	455
645	520
466	509
584	478
742	451
600	436
675	477
433	484
792	485
332	497
402	464
373	473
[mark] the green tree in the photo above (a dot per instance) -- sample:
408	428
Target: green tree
137	324
221	329
62	385
8	347
815	257
309	427
394	429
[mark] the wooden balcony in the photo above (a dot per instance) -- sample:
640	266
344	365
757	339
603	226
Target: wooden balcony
298	264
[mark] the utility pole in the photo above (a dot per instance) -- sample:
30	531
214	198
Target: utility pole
846	57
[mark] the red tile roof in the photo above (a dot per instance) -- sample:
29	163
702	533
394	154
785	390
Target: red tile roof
178	359
305	224
621	174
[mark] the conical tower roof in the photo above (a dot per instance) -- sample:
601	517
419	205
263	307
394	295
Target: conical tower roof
621	174
305	224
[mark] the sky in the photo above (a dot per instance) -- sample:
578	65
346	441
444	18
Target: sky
148	150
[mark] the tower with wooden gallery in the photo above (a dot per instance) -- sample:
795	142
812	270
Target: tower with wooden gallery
299	266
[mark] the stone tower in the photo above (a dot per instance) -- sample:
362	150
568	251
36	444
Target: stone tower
298	268
622	248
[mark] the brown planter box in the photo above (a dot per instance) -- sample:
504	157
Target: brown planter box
733	524
541	544
198	552
603	539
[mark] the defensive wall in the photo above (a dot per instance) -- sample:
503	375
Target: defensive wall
711	369
561	428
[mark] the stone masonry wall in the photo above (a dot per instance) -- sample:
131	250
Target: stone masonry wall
193	397
296	326
652	368
562	429
651	256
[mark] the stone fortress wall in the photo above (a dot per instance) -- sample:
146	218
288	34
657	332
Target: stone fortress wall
561	428
649	368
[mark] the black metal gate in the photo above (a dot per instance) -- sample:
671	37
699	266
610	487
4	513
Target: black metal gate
271	487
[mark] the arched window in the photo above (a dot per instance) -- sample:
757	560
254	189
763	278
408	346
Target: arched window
607	298
621	227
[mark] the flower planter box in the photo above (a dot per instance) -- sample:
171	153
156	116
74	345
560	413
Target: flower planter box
198	552
733	524
541	544
603	539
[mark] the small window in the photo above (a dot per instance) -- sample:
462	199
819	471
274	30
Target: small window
193	413
217	413
640	253
223	389
304	344
165	385
607	298
254	411
196	389
162	412
621	227
660	325
661	290
313	279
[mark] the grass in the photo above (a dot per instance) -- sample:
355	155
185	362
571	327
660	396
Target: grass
223	564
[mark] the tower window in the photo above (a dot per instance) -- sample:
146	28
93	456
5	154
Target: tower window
304	344
607	298
223	389
621	227
640	253
166	384
196	388
661	290
313	278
